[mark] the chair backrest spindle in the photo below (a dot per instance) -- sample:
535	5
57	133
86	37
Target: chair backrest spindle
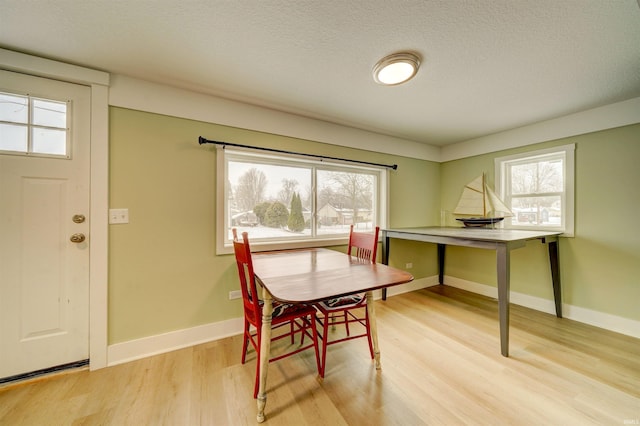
365	244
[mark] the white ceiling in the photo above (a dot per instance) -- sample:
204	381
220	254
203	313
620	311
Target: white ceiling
488	65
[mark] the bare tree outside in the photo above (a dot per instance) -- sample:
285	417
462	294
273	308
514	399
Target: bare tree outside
306	199
537	177
250	190
326	195
348	190
288	189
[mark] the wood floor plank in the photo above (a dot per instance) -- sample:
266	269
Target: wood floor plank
441	365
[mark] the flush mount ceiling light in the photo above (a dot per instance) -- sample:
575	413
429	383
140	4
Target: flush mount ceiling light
396	68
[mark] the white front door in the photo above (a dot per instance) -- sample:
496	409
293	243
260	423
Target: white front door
44	201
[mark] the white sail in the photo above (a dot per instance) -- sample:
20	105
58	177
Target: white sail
495	206
479	200
472	201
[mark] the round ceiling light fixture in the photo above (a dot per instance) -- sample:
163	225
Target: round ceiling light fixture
396	68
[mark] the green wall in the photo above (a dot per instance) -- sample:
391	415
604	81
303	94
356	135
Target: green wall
164	274
600	266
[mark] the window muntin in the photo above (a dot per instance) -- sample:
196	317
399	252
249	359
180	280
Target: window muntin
538	188
33	126
259	192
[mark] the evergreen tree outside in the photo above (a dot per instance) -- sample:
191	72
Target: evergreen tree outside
276	215
296	219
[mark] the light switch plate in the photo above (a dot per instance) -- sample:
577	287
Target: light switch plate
118	216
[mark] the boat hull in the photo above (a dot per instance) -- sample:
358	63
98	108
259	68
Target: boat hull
478	222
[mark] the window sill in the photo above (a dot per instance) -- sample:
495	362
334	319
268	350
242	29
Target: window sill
258	246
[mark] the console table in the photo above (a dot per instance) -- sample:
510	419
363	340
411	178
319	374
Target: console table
500	240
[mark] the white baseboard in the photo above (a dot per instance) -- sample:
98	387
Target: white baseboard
412	286
153	345
140	348
147	346
598	319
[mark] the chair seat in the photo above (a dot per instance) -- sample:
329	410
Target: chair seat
287	311
341	302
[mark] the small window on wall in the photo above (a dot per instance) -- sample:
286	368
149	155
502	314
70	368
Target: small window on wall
538	186
33	126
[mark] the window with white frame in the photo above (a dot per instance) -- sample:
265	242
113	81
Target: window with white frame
285	202
33	126
538	186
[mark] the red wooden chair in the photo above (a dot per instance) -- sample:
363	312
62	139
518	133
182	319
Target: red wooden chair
349	309
299	317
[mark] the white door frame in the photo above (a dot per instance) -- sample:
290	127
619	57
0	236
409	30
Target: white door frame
99	175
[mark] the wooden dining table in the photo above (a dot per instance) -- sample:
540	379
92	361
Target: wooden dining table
312	275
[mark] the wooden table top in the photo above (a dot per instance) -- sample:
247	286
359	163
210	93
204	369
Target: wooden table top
479	234
311	275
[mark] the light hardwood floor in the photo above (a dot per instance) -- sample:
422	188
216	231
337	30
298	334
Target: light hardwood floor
441	365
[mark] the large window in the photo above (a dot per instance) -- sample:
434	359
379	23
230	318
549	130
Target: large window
538	187
285	202
33	126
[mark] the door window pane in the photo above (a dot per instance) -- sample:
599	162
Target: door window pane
33	126
49	113
14	108
13	138
49	141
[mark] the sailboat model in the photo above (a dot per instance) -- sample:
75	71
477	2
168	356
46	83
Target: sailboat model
480	205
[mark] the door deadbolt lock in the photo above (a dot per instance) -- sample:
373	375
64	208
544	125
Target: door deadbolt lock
77	238
78	218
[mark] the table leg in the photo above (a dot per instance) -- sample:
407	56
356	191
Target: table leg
385	258
555	276
441	248
503	260
371	312
265	349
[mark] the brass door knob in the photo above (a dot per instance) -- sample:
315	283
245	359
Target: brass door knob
77	238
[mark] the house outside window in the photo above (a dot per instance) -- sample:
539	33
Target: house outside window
538	187
288	202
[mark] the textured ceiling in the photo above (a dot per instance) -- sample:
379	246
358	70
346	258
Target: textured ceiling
488	65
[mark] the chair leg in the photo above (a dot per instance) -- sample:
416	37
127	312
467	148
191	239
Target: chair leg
346	322
245	342
325	343
368	327
314	332
257	381
303	330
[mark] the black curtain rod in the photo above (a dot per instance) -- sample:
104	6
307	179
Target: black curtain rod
202	140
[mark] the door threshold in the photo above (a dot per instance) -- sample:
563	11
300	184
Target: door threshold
21	378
